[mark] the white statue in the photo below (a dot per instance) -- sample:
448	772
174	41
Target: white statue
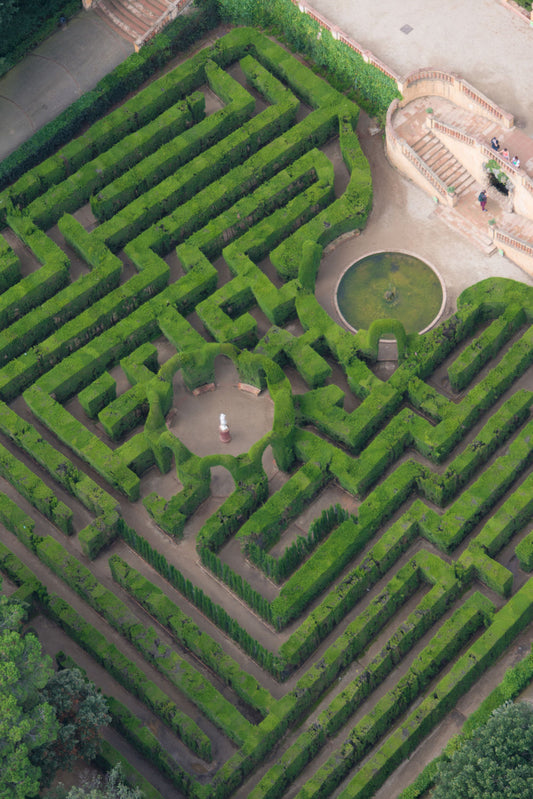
223	422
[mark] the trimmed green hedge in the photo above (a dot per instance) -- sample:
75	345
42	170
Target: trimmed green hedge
128	674
140	736
480	350
35	490
108	757
97	395
62	470
126	77
507	624
178	151
9	265
32	290
279	568
237	140
30	590
78	187
443	646
265	526
82	442
145	639
187	633
515	680
197	597
375	91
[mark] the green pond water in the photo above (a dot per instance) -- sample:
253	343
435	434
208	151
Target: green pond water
390	285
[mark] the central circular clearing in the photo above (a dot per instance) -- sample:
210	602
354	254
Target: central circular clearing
390	285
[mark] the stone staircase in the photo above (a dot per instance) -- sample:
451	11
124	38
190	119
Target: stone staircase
463	224
516	225
502	229
134	19
441	161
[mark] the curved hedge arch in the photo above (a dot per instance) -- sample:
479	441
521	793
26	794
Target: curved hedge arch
387	327
200	362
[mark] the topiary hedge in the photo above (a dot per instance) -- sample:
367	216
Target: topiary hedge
177	36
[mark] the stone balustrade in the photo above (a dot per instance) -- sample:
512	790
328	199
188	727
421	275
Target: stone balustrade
424	82
477	155
523	13
516	249
338	34
407	161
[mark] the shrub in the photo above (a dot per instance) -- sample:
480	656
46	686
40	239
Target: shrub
500	750
126	77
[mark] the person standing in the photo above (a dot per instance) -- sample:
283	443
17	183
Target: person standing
483	199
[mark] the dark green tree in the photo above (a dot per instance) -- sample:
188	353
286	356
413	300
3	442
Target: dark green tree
12	613
27	720
497	762
112	786
81	711
8	10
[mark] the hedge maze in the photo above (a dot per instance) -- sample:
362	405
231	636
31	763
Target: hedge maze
192	220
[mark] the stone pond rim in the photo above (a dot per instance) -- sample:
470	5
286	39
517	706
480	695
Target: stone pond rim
390	284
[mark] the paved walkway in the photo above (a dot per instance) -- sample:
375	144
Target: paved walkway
51	77
404	218
480	40
447	35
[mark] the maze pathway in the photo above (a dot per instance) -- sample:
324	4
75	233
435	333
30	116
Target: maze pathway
302	634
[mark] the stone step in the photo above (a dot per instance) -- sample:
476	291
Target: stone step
426	146
464	184
154	8
131	18
452	173
439	160
446	169
122	25
519	226
443	163
476	233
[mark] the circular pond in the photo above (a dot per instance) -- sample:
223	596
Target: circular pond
390	285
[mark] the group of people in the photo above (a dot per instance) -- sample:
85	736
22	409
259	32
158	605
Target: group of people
515	161
495	144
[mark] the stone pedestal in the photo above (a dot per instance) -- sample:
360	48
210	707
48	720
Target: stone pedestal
223	429
225	435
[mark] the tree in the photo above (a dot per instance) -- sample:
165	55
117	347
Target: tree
81	711
27	721
47	720
112	786
497	761
8	9
12	613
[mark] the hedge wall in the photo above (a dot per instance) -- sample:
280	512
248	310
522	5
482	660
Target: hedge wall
126	77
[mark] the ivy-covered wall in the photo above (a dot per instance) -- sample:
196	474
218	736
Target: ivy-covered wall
372	90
